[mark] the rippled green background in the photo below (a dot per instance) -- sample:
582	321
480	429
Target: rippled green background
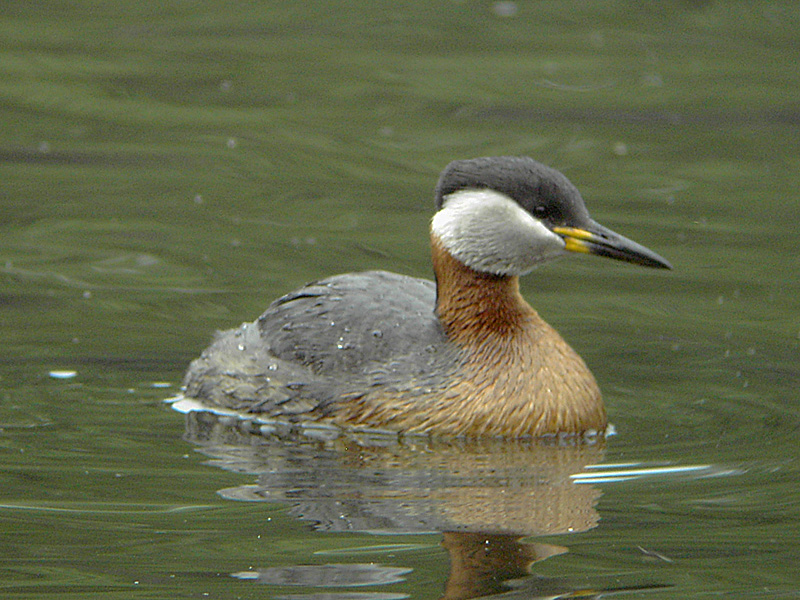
167	168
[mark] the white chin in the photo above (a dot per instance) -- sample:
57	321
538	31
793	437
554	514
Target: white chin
491	233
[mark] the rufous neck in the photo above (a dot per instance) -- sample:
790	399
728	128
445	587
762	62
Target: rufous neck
472	305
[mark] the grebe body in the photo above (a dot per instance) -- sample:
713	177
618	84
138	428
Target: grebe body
466	355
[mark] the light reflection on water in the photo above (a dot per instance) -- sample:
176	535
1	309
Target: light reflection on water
488	499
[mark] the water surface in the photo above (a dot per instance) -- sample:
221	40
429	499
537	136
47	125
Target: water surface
168	169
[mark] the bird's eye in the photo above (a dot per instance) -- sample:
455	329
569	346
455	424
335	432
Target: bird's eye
549	213
543	213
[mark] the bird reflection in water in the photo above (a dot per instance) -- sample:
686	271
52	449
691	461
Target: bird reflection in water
483	496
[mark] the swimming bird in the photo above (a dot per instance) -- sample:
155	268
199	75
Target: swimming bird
464	356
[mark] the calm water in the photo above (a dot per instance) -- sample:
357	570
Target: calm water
169	168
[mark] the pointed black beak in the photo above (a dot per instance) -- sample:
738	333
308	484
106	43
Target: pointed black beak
599	240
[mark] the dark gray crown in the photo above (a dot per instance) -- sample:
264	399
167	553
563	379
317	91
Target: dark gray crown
541	190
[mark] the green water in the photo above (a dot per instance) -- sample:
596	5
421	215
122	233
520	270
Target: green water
169	168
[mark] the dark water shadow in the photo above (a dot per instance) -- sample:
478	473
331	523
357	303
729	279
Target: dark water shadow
484	497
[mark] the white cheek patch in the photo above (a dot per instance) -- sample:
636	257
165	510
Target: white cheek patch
489	232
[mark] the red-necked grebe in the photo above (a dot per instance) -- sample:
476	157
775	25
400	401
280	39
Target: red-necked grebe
464	356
